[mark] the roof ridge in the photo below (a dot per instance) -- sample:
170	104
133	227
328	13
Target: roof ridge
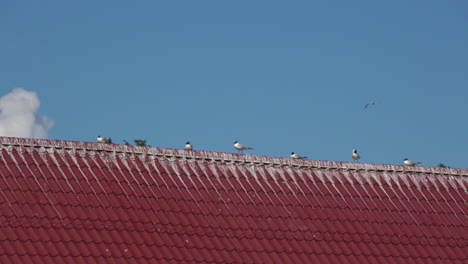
225	156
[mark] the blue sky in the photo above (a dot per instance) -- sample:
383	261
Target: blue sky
278	76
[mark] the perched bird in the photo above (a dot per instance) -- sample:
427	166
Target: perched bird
297	156
369	103
240	147
410	163
188	146
355	156
102	139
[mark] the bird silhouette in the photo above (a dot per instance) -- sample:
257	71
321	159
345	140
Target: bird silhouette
369	103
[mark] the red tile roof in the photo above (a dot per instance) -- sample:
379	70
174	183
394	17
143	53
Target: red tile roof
79	202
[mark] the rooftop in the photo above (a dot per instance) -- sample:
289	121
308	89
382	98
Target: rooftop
83	202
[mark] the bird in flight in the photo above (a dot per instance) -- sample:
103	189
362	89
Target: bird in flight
369	103
410	163
355	156
188	146
240	147
297	156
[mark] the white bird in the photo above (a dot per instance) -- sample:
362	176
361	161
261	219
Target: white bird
297	156
410	163
188	146
240	147
102	139
369	103
355	156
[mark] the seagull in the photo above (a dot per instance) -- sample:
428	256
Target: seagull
369	103
188	146
355	156
240	147
103	140
410	163
297	156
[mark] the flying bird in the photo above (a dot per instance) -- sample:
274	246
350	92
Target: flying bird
102	140
369	103
355	156
240	147
188	146
297	156
410	163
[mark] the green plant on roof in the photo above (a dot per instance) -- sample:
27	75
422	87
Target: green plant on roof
138	142
141	142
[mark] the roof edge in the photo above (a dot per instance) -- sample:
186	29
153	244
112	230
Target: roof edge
222	156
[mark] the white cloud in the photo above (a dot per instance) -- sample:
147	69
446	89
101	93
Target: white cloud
19	115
